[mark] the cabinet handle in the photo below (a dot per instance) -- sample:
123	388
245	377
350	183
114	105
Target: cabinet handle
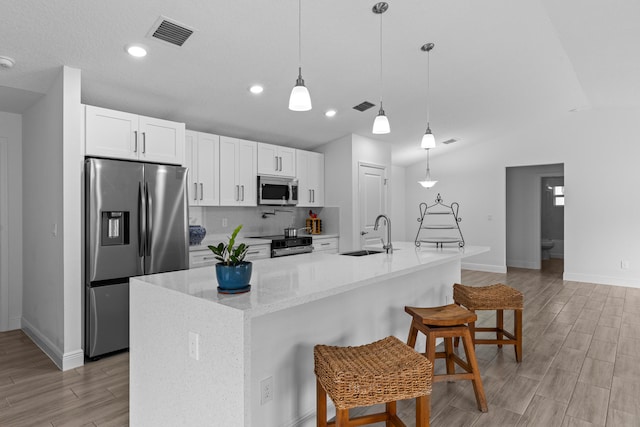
242	186
237	193
280	164
325	244
201	191
135	141
309	196
195	191
144	142
206	258
276	159
253	252
313	193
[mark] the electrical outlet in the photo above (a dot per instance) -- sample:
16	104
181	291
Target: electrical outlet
224	222
624	264
194	345
266	390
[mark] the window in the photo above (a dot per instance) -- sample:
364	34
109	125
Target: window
558	195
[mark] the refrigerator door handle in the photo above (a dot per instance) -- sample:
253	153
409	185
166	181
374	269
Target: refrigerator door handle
148	220
141	227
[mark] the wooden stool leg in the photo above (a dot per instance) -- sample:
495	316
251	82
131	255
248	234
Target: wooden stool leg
321	405
472	329
342	417
448	350
517	327
413	334
431	347
499	325
423	411
477	381
391	413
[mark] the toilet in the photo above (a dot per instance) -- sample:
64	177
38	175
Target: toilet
546	245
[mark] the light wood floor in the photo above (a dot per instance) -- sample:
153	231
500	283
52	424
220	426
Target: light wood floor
581	367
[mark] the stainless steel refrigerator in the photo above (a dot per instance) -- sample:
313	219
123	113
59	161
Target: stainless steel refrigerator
136	222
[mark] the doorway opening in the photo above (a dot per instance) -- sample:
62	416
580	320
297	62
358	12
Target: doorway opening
535	217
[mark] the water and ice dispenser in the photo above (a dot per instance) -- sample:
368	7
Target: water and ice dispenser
115	228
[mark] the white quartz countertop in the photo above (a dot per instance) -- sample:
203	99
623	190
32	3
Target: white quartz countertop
285	282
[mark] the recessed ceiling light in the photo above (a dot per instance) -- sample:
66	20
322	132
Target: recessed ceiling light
136	50
6	62
256	89
330	113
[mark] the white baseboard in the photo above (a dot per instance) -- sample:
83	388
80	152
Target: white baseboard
64	361
601	280
517	263
484	267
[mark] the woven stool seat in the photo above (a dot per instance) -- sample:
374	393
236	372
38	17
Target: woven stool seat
493	297
381	372
496	297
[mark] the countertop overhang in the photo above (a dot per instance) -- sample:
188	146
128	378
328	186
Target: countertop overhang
285	282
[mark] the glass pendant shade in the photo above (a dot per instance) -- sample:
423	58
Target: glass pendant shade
428	140
381	123
300	100
427	182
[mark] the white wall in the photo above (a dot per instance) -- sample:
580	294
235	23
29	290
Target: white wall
599	150
523	188
337	185
397	202
52	268
341	179
11	255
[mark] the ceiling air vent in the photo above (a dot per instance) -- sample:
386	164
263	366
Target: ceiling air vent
449	141
363	106
170	31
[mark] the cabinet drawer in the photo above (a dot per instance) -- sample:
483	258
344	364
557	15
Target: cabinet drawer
328	245
201	258
258	252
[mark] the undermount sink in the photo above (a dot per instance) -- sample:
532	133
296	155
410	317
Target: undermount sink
362	252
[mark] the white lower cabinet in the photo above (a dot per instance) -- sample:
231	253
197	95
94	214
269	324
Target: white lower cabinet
204	257
325	244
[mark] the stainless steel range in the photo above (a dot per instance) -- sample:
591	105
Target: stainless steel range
284	246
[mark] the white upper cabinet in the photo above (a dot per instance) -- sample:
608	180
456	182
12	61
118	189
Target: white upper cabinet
120	135
276	160
310	175
202	151
238	172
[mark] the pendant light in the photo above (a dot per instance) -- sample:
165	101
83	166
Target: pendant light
428	140
300	100
427	182
381	123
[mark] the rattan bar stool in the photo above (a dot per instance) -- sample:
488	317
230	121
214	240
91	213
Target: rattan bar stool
497	297
448	322
384	371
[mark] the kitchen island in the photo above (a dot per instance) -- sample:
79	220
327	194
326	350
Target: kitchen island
198	357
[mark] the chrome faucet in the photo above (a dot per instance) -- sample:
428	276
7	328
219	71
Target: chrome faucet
387	247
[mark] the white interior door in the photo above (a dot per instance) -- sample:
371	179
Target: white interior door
372	201
4	243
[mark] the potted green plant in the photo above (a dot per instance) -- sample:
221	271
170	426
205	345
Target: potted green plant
233	272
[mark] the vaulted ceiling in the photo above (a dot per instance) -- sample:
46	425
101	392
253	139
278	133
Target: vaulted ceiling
498	65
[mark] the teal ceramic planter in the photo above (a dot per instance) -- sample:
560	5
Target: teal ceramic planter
234	278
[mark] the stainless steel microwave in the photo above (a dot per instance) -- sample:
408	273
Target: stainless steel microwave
277	191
